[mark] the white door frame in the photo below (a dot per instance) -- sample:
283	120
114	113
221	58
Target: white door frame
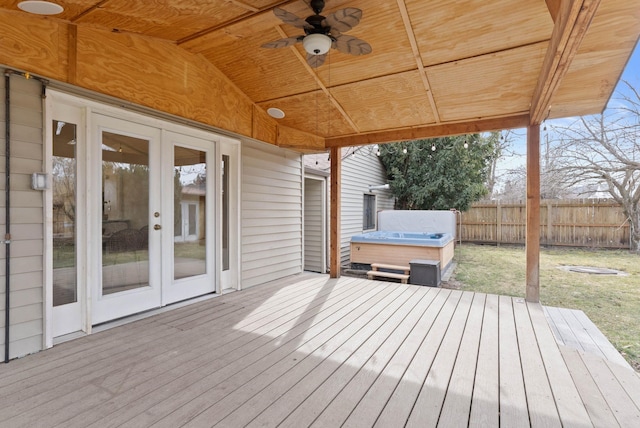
88	266
322	181
231	279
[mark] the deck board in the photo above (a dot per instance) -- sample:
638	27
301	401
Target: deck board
570	407
428	404
573	328
540	400
513	398
400	405
365	412
314	351
343	403
457	404
486	390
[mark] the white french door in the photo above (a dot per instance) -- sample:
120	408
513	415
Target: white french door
141	214
126	213
189	240
66	216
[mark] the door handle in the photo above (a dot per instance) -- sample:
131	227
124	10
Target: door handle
157	227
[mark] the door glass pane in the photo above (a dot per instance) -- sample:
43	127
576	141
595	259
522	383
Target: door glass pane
189	194
225	212
64	213
125	213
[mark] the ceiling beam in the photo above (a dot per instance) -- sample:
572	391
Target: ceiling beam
319	82
416	54
251	12
554	7
244	6
431	131
571	25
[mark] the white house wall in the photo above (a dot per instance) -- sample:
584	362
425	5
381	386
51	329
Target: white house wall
26	296
271	213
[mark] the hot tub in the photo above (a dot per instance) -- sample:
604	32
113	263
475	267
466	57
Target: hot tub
399	248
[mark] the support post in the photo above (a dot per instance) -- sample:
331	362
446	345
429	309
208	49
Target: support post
533	214
334	256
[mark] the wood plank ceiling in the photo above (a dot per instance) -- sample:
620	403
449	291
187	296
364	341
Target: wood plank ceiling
437	66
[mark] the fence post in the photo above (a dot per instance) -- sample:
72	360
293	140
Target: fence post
498	223
549	223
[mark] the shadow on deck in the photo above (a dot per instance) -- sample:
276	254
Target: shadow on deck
315	351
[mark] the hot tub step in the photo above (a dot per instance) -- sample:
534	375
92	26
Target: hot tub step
404	278
377	266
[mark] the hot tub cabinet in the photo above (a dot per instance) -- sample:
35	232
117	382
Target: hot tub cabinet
400	248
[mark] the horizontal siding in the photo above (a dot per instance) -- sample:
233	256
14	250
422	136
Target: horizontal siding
271	213
27	290
259	239
358	173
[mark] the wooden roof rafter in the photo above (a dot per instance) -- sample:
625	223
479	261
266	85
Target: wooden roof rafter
251	12
319	82
554	7
571	24
431	131
416	53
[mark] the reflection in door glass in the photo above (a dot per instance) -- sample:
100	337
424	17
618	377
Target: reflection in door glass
189	212
63	177
125	213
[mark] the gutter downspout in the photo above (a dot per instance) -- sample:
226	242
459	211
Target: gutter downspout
7	236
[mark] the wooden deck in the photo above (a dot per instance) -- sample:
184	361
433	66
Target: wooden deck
311	351
573	329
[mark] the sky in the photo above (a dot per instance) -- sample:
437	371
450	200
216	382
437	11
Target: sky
631	74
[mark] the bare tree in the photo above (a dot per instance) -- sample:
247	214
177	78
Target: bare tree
605	149
502	147
554	181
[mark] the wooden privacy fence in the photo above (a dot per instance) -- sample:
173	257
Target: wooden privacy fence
595	223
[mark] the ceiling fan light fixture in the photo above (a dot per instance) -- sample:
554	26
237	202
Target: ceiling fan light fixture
317	44
40	7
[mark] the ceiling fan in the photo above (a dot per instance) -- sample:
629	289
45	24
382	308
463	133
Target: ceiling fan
322	33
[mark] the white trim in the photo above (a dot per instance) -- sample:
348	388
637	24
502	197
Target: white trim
302	211
47	262
324	218
89	190
233	277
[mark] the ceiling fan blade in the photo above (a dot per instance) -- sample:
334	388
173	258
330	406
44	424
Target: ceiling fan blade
283	43
316	60
290	18
352	45
343	20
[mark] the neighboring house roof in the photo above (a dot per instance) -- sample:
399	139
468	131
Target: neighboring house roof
194	189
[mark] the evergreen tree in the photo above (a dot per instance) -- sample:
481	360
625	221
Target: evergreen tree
439	173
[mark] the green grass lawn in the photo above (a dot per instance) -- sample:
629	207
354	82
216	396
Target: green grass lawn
611	302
